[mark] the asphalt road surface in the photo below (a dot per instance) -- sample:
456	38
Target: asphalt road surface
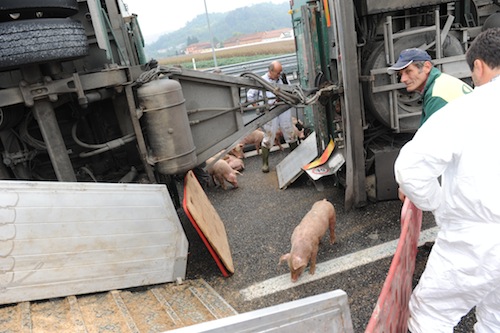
259	219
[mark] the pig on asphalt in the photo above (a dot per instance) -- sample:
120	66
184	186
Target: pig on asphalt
234	162
221	172
254	138
307	236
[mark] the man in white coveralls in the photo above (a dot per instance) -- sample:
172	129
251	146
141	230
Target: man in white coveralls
460	144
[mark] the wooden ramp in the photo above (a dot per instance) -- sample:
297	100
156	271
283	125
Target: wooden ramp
207	223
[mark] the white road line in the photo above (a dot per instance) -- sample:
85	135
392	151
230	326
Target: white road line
331	267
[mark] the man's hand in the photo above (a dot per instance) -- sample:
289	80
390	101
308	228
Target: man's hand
401	195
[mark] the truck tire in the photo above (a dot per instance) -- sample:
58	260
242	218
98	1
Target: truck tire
29	9
42	40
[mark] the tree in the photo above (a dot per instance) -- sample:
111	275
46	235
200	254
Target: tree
192	40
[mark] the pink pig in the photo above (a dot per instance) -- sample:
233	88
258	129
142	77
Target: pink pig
221	172
253	138
307	236
234	162
256	138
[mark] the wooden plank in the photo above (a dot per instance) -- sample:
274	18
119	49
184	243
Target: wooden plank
157	308
207	223
60	239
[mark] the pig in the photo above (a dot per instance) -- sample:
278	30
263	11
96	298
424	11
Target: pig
221	172
256	138
237	151
278	138
307	236
234	162
298	129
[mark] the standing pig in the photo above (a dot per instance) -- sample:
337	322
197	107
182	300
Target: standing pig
307	236
253	138
221	171
256	138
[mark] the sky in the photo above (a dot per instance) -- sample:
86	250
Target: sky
157	17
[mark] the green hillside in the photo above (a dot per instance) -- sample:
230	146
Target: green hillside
246	20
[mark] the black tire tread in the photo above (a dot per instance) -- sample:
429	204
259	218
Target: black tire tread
42	40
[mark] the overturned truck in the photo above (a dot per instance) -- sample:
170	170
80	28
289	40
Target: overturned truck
80	104
90	134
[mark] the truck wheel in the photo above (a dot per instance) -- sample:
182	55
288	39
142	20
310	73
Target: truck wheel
29	9
41	40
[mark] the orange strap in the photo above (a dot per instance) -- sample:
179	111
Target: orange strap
327	13
324	157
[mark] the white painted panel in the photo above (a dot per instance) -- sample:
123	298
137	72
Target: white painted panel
59	239
324	313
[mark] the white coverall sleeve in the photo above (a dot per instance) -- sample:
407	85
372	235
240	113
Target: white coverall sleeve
252	95
423	159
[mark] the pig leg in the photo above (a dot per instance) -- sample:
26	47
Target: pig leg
214	180
312	266
277	141
221	181
332	221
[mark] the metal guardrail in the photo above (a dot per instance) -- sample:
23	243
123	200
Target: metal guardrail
259	67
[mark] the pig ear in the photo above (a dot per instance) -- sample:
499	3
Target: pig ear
284	258
298	262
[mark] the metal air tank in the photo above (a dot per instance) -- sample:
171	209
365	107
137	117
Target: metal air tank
167	126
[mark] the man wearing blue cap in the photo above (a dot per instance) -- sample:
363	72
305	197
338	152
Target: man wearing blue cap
417	72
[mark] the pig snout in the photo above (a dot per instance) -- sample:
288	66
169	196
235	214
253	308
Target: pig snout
231	178
295	263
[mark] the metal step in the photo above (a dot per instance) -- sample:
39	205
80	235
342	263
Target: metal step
151	309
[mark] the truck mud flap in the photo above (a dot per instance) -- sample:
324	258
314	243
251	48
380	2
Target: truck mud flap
61	239
327	312
207	223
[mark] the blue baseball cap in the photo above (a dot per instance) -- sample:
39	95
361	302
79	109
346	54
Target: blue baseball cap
406	57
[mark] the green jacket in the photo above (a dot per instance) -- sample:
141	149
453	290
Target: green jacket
440	89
